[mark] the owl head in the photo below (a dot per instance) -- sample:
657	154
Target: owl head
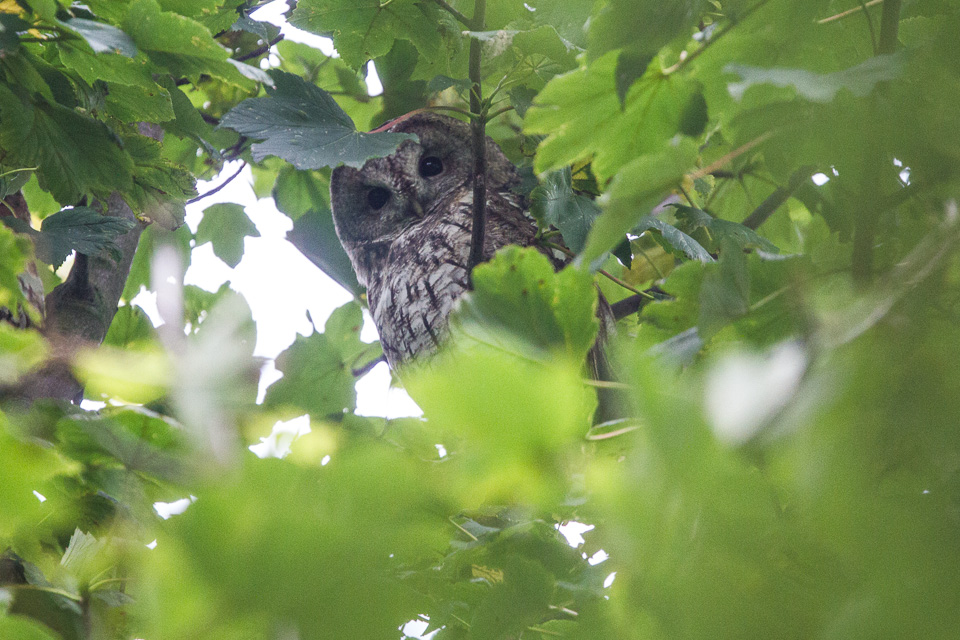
375	205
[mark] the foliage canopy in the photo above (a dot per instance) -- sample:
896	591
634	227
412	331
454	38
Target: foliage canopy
773	183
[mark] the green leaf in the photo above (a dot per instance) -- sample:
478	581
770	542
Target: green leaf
318	371
109	67
9	26
744	237
78	229
130	326
81	553
519	601
182	45
819	87
725	294
24	628
297	192
678	239
366	29
225	226
644	27
555	203
636	190
103	38
582	117
315	237
76	155
517	296
302	124
132	103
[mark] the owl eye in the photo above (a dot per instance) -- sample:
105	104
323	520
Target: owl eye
430	166
377	197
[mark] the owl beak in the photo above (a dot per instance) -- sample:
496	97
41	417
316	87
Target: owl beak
416	209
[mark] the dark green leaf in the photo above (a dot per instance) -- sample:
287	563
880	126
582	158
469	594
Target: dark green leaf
302	124
725	294
678	239
103	38
318	371
746	238
555	203
78	229
314	235
75	154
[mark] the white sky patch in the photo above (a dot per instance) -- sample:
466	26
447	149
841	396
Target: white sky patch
573	531
441	450
40	496
277	444
273	13
820	179
609	580
325	460
746	389
598	557
374	86
175	508
415	629
151	545
375	396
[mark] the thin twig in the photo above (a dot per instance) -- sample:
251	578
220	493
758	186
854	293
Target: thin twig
259	51
706	45
438	107
217	188
607	274
730	156
848	12
499	112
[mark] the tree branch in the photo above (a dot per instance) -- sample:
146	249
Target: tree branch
478	124
464	20
772	202
259	51
79	311
219	187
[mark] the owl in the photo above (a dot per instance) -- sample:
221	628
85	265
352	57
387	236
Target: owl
405	222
